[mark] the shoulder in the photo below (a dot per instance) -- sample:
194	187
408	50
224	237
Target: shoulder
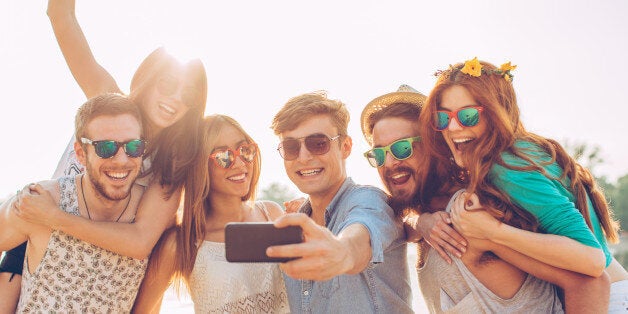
365	194
273	209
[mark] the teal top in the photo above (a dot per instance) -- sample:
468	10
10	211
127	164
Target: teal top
549	200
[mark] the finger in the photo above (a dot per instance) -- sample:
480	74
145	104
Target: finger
291	250
37	189
442	253
452	236
445	216
308	225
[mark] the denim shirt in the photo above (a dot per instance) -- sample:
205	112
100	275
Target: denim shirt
384	286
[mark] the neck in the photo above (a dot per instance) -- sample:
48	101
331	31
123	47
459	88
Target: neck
98	206
320	201
225	209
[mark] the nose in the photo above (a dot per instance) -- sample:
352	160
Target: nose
120	157
390	160
454	125
304	153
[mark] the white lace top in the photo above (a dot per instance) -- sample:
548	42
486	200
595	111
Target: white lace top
221	287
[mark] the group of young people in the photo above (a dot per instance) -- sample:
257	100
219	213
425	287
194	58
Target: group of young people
505	219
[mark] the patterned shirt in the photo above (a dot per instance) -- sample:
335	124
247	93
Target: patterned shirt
77	277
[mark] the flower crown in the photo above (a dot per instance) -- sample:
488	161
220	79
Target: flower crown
474	68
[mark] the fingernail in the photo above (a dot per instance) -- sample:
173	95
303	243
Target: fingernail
459	255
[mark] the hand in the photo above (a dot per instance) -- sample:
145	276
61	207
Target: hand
294	205
470	218
436	229
322	255
36	205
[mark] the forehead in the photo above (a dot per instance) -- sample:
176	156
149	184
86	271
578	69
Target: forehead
120	128
390	129
229	136
314	124
456	97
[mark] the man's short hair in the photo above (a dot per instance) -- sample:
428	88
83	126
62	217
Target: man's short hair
109	104
303	107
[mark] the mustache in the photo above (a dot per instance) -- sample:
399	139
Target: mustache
389	172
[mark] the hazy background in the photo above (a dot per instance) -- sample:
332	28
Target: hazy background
570	80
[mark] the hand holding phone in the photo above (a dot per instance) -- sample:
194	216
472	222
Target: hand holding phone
246	242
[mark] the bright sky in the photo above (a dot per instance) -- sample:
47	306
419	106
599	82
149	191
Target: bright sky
570	54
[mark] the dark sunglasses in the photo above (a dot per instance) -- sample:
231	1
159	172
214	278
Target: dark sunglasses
168	85
466	117
107	149
225	158
400	150
316	144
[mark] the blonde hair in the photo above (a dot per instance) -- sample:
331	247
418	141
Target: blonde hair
196	206
303	107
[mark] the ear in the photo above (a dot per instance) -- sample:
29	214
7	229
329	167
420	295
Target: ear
80	153
345	148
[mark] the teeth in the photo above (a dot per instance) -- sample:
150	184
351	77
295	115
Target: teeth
167	108
118	175
399	175
310	172
462	140
237	177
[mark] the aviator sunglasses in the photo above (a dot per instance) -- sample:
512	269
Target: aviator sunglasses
316	144
107	148
225	158
466	117
400	150
168	85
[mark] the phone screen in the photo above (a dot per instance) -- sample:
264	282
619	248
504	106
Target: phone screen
246	242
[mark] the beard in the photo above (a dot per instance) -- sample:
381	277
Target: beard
100	188
399	202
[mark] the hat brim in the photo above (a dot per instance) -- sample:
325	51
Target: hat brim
384	101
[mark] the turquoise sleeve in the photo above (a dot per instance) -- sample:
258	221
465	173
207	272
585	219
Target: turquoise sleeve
544	198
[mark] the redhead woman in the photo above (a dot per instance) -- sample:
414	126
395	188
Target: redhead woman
171	96
479	141
220	190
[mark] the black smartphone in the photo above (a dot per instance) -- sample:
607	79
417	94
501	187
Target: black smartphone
246	242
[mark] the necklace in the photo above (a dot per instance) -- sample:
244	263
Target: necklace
87	208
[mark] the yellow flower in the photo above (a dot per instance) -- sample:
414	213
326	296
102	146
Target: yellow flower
508	77
472	67
507	67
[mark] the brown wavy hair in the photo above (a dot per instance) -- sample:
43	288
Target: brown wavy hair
173	148
501	113
196	205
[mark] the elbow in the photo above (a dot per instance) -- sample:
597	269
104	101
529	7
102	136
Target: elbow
597	263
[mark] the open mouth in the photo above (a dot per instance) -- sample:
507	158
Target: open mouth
167	109
399	177
117	175
309	172
462	143
237	177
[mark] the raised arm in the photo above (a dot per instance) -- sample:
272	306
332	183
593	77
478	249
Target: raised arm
559	251
159	275
154	215
91	77
323	255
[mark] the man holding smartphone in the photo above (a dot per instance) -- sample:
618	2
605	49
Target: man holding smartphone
353	257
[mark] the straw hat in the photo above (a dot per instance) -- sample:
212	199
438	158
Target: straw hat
405	94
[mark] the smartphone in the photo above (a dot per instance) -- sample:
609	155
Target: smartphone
246	242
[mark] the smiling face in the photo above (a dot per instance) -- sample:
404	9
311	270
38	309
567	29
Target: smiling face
113	177
457	137
236	180
399	176
169	99
319	176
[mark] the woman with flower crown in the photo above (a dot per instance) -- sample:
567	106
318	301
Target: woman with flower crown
478	141
220	189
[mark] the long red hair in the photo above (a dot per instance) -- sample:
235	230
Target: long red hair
504	127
